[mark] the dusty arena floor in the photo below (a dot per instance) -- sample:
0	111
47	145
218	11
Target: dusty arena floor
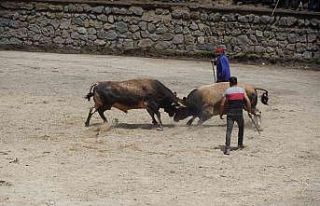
48	157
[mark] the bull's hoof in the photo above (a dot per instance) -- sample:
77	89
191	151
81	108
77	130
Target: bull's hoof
86	124
189	123
160	128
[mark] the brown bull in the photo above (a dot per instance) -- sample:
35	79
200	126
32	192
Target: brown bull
204	102
146	94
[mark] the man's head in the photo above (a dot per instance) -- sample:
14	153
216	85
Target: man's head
233	81
219	50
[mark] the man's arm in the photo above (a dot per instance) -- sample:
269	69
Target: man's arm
248	103
223	102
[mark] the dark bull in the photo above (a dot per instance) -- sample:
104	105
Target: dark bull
146	94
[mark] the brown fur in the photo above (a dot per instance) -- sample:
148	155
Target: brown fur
204	102
213	94
125	108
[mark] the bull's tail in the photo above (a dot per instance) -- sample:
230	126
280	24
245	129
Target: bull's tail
91	93
265	96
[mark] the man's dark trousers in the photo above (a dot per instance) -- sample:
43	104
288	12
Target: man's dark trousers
230	121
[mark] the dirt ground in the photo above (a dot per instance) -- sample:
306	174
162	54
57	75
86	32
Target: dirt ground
48	157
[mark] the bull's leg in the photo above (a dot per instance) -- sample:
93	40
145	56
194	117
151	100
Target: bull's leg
257	120
191	120
91	112
154	108
101	113
159	119
151	113
203	119
205	115
257	117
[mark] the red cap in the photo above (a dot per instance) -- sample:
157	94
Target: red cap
219	50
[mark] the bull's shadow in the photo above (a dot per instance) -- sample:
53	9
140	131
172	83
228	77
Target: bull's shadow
193	126
151	126
147	126
141	126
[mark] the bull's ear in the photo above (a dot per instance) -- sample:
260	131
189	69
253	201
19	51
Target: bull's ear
181	101
184	100
174	104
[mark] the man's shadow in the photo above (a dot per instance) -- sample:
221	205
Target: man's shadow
222	148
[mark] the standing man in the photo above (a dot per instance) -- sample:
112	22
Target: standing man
222	63
233	100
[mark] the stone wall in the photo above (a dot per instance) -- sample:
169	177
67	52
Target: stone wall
157	29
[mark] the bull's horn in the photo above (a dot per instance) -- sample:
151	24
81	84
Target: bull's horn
182	101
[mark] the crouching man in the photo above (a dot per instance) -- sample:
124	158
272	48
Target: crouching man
233	102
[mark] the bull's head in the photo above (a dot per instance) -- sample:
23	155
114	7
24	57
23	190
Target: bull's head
183	111
172	107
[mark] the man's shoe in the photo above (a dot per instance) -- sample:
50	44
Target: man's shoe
227	151
240	146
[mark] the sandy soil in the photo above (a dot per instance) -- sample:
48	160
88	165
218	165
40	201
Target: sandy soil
48	157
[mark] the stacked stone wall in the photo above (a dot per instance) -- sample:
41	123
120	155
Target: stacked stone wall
157	29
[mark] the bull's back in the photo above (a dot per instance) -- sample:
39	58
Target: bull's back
212	93
142	87
215	91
